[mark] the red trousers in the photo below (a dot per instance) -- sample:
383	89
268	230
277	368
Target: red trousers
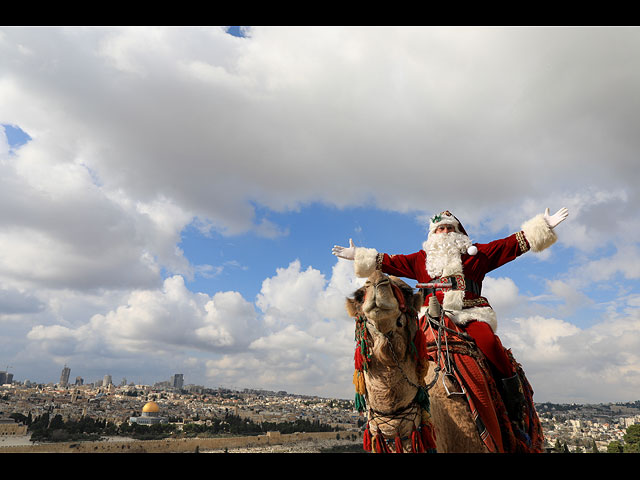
490	345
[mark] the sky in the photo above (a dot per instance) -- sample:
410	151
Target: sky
169	197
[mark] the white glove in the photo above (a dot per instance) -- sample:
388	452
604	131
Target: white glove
344	252
556	218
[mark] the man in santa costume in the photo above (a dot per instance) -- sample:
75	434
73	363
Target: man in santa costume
449	256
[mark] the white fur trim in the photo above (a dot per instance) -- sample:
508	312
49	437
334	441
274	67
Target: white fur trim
480	314
445	220
365	261
453	300
538	233
462	317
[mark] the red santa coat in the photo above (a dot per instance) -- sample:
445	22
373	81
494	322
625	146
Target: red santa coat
474	306
474	267
462	306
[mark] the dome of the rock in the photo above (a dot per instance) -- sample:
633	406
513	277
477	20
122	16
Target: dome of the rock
151	407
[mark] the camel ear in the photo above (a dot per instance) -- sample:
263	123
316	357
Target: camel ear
352	307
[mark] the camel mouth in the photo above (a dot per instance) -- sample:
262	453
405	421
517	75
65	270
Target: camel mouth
379	312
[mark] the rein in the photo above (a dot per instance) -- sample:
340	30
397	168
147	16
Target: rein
438	324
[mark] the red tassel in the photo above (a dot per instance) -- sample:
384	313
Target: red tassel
358	359
376	444
428	438
380	444
416	441
366	439
398	443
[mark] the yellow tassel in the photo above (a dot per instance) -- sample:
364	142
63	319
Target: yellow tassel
358	381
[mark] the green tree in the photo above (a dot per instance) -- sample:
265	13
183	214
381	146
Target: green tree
633	434
615	447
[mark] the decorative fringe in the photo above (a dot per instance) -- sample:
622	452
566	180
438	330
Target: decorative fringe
358	381
360	357
366	439
416	441
357	359
428	437
380	444
398	442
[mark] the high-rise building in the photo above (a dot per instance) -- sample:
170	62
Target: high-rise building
64	376
178	380
106	381
79	381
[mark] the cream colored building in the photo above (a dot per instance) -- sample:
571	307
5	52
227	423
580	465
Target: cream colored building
9	427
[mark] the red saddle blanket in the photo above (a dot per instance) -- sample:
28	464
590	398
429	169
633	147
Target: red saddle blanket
472	371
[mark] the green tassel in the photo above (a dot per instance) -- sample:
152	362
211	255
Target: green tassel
422	399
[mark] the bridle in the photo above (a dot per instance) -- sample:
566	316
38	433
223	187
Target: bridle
412	410
443	355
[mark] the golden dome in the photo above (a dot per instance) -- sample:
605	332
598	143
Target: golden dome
151	407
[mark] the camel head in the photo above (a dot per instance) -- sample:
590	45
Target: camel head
382	300
388	304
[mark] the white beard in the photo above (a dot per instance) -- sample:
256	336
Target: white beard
444	252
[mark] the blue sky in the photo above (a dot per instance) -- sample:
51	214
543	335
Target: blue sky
170	196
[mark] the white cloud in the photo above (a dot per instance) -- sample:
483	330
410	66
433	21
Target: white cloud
502	293
209	120
294	344
565	363
140	132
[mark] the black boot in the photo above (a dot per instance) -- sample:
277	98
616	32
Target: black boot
514	401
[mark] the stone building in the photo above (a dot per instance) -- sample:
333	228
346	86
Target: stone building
150	415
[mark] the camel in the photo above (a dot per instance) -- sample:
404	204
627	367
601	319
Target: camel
386	309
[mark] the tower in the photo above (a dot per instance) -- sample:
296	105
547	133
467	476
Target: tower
64	376
178	380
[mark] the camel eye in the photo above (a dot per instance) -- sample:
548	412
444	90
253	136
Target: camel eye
399	322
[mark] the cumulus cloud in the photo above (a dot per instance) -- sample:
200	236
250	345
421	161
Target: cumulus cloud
269	118
137	133
297	334
503	294
566	363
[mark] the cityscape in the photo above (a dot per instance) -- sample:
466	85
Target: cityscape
571	428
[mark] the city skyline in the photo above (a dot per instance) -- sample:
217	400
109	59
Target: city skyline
169	196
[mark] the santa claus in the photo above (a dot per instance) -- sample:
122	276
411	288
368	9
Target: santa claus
449	256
